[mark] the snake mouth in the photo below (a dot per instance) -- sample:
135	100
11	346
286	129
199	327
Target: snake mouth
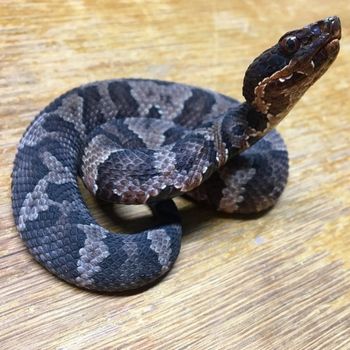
312	67
321	49
325	54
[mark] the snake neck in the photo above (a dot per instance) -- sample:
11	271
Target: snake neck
244	125
260	123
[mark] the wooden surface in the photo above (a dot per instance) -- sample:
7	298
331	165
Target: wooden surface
280	281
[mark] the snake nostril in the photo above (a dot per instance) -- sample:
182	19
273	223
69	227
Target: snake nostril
334	26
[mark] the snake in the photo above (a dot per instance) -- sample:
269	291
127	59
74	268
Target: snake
143	141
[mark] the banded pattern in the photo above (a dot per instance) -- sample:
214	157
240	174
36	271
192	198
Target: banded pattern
146	141
106	130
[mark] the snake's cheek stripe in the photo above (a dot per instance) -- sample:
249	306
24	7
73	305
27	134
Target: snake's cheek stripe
146	141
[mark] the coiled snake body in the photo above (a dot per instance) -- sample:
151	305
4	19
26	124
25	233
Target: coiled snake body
146	141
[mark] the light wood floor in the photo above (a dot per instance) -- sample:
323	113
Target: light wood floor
280	281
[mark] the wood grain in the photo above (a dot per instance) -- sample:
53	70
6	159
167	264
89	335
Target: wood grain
279	281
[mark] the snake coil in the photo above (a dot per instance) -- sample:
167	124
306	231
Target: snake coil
146	141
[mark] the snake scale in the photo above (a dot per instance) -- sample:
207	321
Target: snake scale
146	141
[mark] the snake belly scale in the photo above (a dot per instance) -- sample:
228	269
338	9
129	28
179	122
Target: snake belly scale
147	141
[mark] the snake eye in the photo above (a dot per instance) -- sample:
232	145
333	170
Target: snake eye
290	44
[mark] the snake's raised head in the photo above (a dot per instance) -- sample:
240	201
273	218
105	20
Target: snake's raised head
277	79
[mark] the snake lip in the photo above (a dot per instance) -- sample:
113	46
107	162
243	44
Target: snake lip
326	52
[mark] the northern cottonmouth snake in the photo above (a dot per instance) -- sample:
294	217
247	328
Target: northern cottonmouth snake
146	141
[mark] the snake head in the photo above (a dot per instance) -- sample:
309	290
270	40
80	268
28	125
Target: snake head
278	78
